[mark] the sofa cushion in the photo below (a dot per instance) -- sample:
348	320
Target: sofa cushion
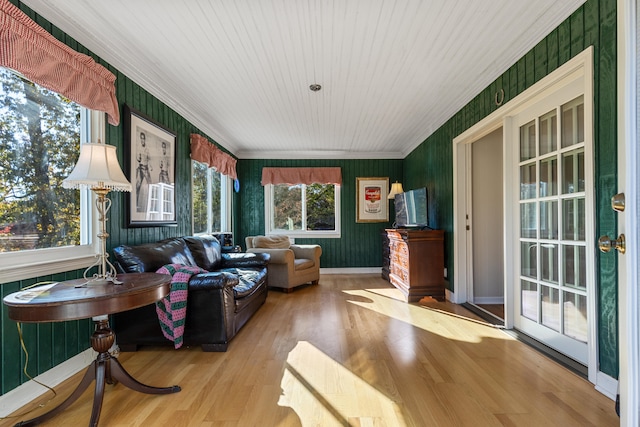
206	251
271	242
150	257
248	280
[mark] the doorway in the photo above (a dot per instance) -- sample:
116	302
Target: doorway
562	88
486	290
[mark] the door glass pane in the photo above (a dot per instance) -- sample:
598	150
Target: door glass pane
573	122
529	300
575	315
550	307
548	220
573	217
528	181
548	132
549	177
549	262
528	225
573	171
575	266
528	141
528	259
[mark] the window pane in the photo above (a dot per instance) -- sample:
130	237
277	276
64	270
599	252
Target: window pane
549	262
287	207
199	198
39	146
575	316
575	268
529	259
550	307
320	203
528	225
548	132
528	181
573	122
573	171
548	220
549	177
573	217
528	141
529	300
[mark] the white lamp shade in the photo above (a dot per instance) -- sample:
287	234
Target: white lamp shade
396	188
97	167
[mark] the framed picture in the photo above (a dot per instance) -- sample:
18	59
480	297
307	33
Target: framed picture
150	157
371	200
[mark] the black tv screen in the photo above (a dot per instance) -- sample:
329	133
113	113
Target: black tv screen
412	209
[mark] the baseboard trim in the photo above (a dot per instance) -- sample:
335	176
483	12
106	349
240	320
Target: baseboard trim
27	392
488	300
354	270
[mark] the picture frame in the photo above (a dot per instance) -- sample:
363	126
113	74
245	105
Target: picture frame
371	199
150	160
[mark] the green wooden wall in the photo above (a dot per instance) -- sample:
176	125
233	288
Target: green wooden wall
431	164
360	244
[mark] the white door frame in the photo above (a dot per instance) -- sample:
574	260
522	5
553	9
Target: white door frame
628	162
580	65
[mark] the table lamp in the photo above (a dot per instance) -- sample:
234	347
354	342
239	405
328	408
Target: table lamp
396	188
98	169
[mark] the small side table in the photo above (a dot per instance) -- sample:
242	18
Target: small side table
73	300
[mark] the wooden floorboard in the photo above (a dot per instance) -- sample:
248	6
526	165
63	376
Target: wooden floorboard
349	352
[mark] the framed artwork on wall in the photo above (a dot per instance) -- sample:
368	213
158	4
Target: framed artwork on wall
371	200
150	157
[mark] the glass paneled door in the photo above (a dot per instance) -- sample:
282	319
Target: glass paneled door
552	295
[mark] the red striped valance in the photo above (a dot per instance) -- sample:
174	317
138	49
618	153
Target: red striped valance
331	175
205	152
28	49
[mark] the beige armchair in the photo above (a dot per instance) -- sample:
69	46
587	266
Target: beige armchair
290	265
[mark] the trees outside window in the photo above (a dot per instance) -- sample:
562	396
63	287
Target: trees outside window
210	200
39	146
302	210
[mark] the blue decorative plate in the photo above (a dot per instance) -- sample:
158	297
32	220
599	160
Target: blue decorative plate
236	185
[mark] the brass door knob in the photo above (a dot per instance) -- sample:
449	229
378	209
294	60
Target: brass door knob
605	244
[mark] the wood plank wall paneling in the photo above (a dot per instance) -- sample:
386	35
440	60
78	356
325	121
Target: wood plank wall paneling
430	164
360	244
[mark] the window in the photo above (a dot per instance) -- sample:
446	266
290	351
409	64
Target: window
40	133
211	197
302	210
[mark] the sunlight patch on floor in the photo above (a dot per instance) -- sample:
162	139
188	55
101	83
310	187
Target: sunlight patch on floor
428	320
323	392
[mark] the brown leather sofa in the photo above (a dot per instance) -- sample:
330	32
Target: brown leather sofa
219	302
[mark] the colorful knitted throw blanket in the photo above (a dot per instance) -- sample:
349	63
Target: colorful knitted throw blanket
172	309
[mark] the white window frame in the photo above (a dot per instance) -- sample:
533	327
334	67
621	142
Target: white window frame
22	265
322	234
225	204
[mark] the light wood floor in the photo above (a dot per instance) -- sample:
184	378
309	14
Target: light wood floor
348	353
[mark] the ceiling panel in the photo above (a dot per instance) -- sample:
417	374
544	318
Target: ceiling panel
392	72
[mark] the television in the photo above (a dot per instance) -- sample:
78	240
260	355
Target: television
412	209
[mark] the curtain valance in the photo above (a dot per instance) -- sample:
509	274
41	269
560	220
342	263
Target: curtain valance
331	175
28	49
205	152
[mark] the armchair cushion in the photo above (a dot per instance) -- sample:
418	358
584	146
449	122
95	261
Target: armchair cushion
271	242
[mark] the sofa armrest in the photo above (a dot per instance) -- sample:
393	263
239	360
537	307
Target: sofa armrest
213	280
277	256
307	251
244	260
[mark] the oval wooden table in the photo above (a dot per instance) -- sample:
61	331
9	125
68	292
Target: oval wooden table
77	299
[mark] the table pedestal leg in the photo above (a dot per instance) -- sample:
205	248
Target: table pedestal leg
105	369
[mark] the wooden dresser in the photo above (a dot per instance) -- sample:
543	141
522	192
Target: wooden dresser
414	262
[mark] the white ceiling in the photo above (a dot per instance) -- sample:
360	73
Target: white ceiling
392	71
